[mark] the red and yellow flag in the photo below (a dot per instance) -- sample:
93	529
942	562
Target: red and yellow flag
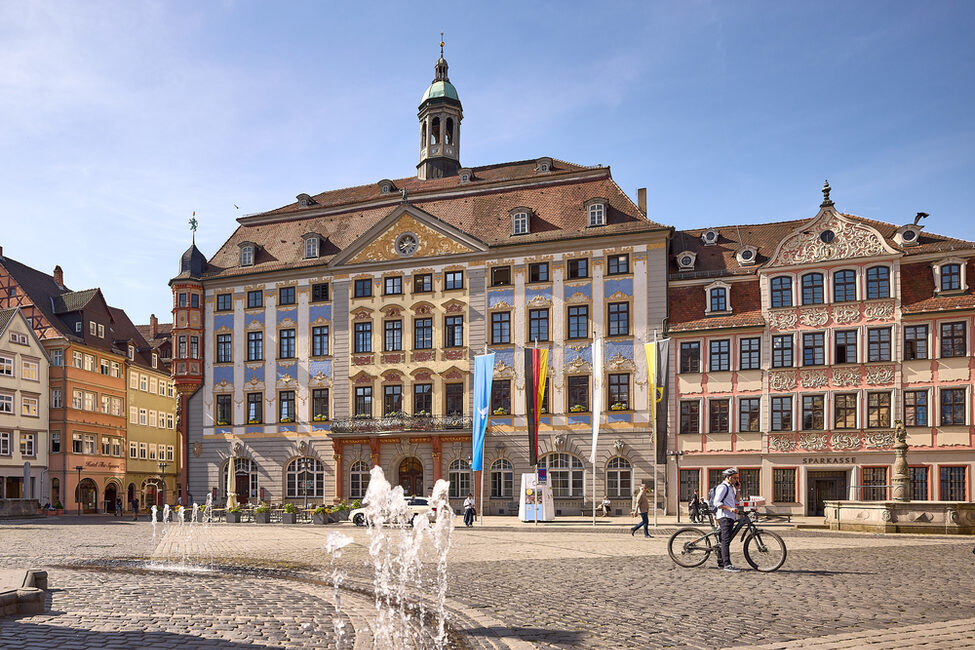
536	369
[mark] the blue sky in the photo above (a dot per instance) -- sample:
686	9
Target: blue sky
121	119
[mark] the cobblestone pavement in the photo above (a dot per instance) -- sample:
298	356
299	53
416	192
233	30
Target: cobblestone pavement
510	585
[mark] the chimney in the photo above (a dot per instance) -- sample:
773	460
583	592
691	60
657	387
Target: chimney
153	326
641	200
59	276
1	251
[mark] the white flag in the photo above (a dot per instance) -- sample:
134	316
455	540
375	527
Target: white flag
597	394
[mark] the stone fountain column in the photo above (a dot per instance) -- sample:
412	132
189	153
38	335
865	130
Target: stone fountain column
902	478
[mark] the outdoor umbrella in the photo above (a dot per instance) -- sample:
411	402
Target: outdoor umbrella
232	483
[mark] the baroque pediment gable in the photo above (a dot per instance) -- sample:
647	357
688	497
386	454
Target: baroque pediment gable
830	236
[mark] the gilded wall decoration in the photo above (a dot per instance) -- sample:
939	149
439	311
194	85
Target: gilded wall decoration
577	297
578	365
539	301
813	378
430	243
322	380
782	320
501	304
781	443
879	440
846	376
618	296
782	380
503	370
881	311
197	449
812	441
843	314
846	441
880	375
578	347
815	317
850	239
618	362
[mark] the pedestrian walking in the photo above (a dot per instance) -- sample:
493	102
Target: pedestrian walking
118	506
641	506
694	508
135	508
725	504
469	510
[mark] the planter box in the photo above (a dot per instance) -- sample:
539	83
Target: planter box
233	517
289	517
262	517
200	517
319	519
343	515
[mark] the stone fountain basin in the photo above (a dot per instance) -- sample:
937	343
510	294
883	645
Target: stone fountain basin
925	517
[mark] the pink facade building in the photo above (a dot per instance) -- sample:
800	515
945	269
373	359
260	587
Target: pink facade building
797	347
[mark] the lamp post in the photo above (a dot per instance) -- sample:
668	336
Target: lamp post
677	454
78	498
162	474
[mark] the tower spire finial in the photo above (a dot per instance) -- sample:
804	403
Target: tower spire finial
827	203
193	225
441	45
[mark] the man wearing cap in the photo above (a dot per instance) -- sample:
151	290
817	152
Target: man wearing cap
726	504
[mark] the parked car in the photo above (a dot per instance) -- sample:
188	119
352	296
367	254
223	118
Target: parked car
414	505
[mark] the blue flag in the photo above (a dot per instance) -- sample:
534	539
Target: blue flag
483	377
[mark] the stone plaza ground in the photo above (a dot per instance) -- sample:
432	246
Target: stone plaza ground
561	585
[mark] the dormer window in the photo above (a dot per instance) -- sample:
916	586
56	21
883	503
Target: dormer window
710	237
465	175
131	352
520	221
304	200
596	212
747	255
78	327
155	360
719	298
311	245
908	235
386	186
543	165
950	276
247	253
686	260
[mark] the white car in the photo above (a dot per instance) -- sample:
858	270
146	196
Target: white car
414	505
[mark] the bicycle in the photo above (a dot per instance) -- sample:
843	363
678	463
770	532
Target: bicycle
764	550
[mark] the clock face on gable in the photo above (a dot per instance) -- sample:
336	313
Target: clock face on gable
406	244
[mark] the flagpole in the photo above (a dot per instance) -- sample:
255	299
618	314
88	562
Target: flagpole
481	504
532	416
653	425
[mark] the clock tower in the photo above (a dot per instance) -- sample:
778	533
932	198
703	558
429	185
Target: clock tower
440	115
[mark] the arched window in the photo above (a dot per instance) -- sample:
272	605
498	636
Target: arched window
244	467
449	133
459	475
782	291
358	480
305	477
519	223
844	286
619	478
878	282
435	131
812	289
566	474
502	479
423	135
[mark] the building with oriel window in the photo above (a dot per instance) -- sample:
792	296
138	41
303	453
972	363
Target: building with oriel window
798	345
338	332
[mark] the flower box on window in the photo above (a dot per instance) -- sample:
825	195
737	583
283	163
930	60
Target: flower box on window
253	421
222	423
578	408
320	418
501	411
287	420
618	406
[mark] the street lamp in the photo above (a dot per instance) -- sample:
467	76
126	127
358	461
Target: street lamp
78	493
677	454
162	474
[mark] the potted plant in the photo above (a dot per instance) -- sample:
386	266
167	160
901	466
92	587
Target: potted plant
287	420
618	406
254	421
321	417
58	508
222	423
289	516
233	515
262	514
578	408
501	411
320	516
342	510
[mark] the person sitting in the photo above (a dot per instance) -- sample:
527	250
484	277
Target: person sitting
606	506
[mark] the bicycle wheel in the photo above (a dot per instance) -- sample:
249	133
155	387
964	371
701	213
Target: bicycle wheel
690	547
765	551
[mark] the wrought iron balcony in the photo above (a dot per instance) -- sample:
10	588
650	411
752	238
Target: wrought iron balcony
403	422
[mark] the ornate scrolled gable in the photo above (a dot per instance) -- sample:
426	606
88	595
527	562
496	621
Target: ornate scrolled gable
850	239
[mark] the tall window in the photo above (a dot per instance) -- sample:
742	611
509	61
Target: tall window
453	280
319	341
454	399
538	272
950	277
782	413
362	288
878	282
781	291
578	268
718	416
363	337
454	331
579	393
619	478
393	286
423	400
501	397
812	412
813	349
519	223
319	292
500	276
224	302
953	339
812	289
719	299
358	479
915	342
690	416
566	474
459	475
952	406
502	479
255	411
750	356
878	410
597	214
690	482
578	322
286	403
423	283
720	355
286	296
619	318
878	344
305	477
846	346
537	324
255	346
617	264
319	404
690	357
953	484
784	485
286	344
392	400
255	299
619	391
844	286
874	483
422	333
363	401
751	481
782	351
916	408
224	409
501	327
394	335
845	411
749	415
919	483
194	347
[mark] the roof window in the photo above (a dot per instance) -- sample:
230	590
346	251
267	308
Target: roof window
710	237
304	200
686	260
520	221
747	256
596	212
247	250
386	186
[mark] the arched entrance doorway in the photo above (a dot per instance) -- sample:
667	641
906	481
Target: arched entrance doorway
150	494
411	476
245	479
111	493
131	495
88	495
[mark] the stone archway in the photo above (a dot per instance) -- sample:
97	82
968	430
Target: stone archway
410	476
87	495
111	494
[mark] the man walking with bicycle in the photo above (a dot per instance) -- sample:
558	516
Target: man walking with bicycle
725	505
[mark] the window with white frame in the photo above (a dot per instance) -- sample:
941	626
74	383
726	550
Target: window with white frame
619	478
27	444
950	275
502	479
143	450
459	475
597	214
566	474
30	370
133	415
143	416
305	477
90	444
358	479
169	452
247	255
719	298
519	222
7	403
311	247
952	406
6	366
92	327
133	380
57	398
57	357
133	450
4	443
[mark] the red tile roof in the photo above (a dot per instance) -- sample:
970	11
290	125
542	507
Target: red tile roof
687	308
917	290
